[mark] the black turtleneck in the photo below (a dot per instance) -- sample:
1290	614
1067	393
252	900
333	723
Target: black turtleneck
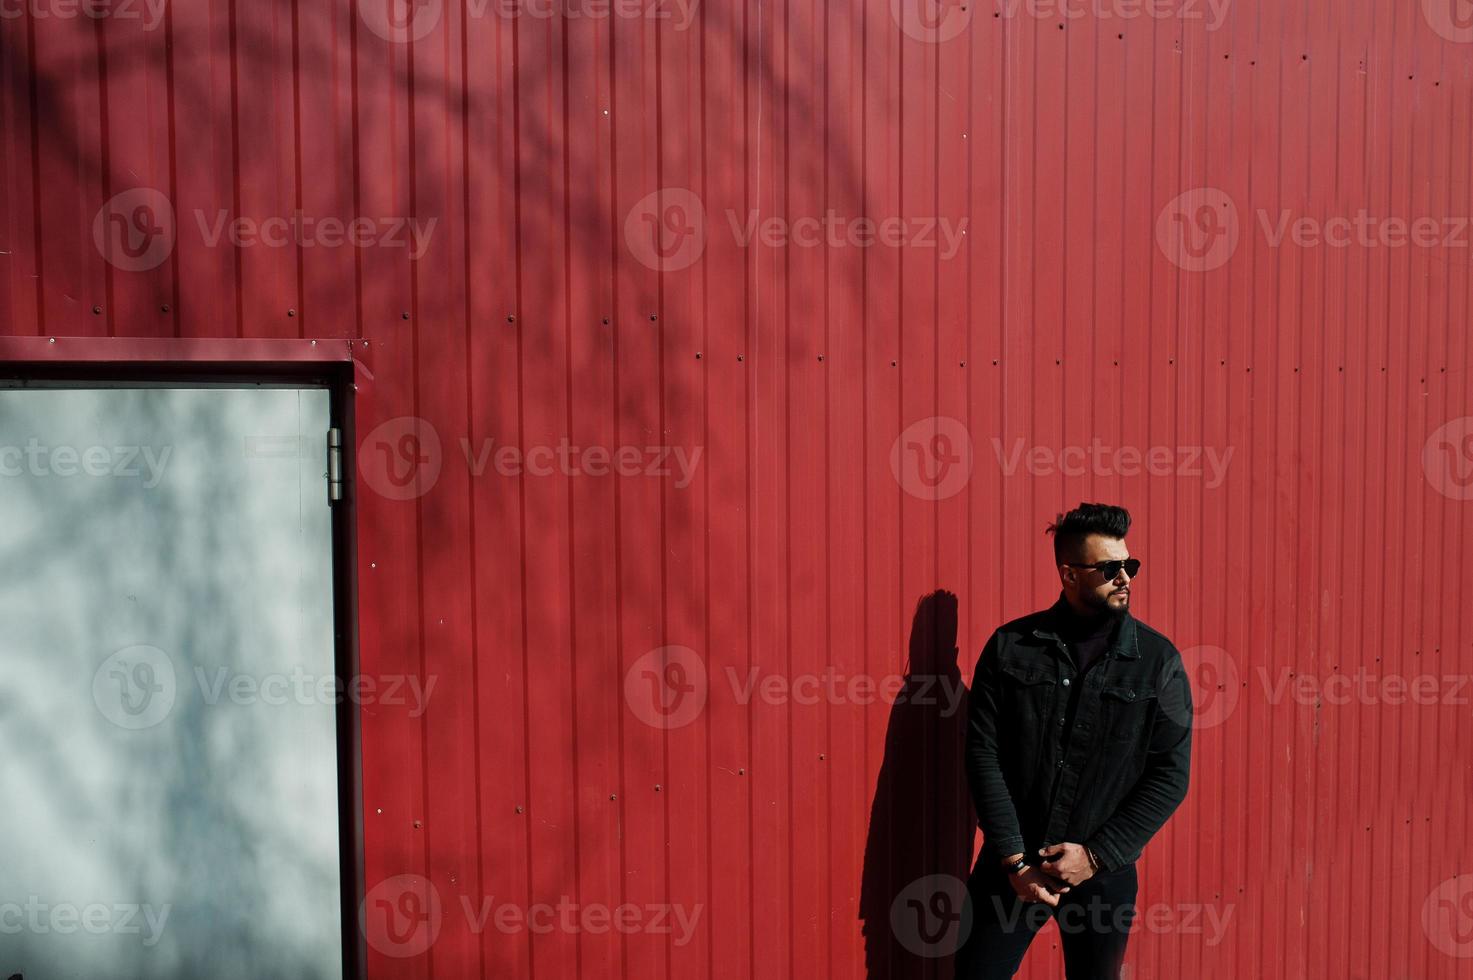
1088	637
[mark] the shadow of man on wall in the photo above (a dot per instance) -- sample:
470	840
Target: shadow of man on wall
918	852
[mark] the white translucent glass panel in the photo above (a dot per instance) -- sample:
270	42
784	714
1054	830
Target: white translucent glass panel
168	756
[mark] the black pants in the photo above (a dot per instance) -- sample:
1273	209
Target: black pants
1094	925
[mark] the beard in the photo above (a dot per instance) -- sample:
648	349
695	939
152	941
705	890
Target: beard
1101	604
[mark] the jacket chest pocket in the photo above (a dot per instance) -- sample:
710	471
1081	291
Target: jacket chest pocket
1127	711
1029	690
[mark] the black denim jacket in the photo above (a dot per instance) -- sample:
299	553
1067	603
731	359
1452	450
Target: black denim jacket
1112	779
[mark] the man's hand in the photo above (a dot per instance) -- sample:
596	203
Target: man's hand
1032	885
1067	862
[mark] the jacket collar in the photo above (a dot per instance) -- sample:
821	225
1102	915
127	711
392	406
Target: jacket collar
1123	645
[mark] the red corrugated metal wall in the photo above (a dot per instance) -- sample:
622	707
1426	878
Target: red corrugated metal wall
1303	523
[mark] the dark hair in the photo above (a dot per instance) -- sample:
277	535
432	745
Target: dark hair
1071	529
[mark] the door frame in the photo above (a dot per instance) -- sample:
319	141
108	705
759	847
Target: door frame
329	363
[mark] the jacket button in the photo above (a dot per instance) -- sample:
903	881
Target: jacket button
1066	682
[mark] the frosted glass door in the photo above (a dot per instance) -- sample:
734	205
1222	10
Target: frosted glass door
168	751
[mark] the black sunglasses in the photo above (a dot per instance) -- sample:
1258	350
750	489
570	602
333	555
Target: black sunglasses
1111	569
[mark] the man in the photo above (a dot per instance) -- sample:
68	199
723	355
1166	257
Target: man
1078	749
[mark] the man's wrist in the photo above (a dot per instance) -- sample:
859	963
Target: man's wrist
1100	856
1015	864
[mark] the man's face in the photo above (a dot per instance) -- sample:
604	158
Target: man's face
1088	587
